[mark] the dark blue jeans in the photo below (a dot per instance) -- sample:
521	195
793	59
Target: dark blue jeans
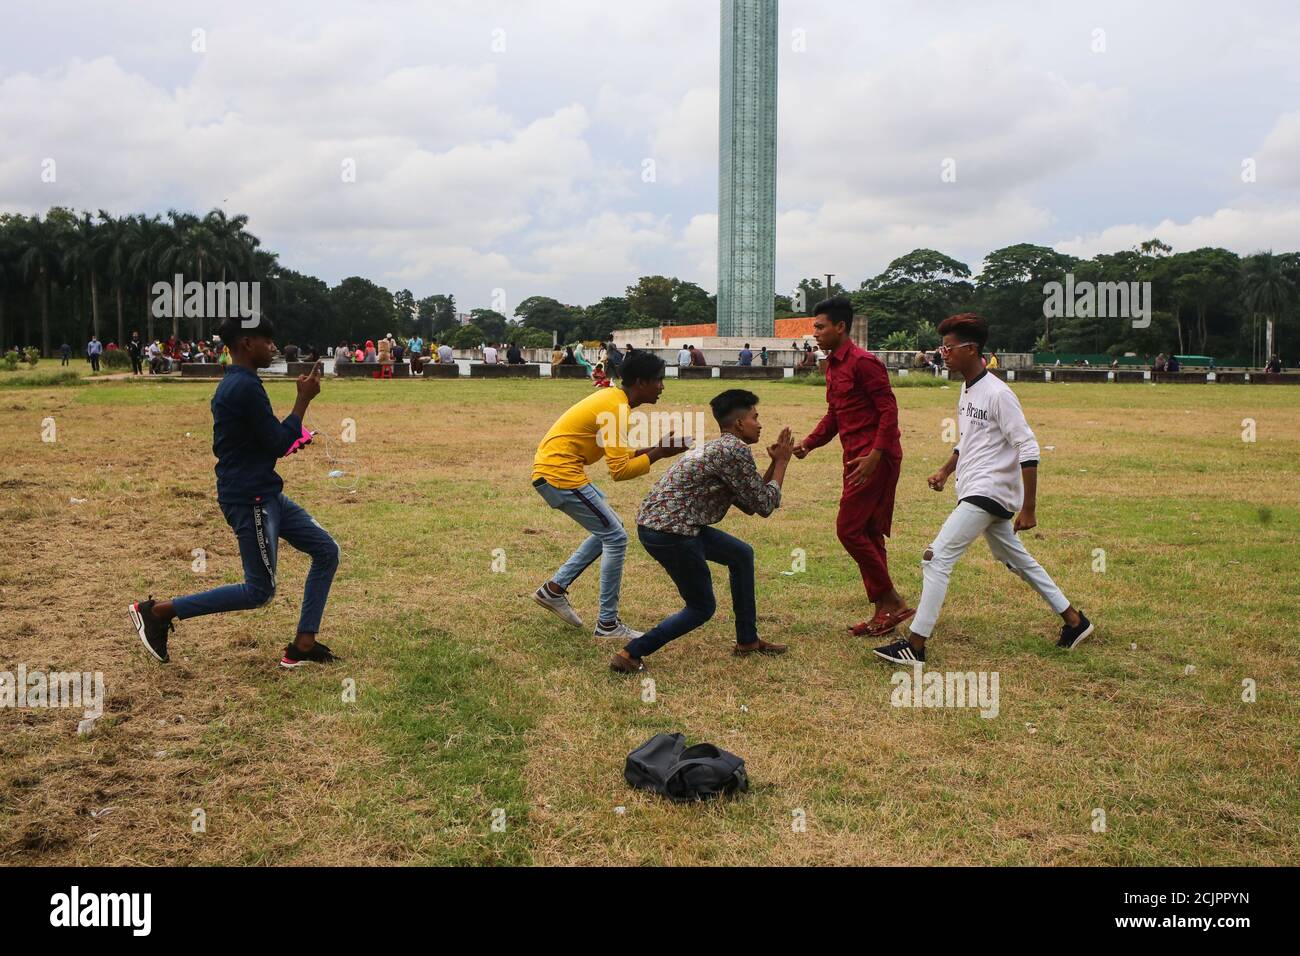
259	528
687	562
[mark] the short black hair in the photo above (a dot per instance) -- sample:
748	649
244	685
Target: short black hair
968	327
838	309
233	329
726	405
641	366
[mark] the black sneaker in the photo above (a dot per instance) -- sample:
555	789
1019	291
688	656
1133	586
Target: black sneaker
900	652
1071	637
152	631
319	654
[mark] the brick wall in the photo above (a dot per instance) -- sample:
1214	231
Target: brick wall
794	328
670	332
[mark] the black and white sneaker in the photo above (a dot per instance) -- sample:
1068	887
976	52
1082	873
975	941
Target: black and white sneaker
1071	637
319	654
900	652
152	631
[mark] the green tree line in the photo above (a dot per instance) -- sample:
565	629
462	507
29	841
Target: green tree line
69	274
1205	301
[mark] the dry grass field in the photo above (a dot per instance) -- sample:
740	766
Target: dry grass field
470	699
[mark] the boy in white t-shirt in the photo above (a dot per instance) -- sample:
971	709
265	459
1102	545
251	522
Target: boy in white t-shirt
996	461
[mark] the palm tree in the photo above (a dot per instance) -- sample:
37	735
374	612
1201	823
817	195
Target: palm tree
41	262
192	247
148	236
264	267
1266	291
81	257
230	241
9	275
115	244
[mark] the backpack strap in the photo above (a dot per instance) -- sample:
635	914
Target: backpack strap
694	761
678	746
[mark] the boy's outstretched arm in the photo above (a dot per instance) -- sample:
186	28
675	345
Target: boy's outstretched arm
826	429
308	388
273	434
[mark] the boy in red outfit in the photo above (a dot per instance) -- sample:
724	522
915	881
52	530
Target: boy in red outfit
863	412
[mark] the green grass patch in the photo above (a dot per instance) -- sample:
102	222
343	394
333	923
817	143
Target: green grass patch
41	378
452	724
1158	515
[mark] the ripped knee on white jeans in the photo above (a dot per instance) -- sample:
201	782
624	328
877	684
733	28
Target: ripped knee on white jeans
929	555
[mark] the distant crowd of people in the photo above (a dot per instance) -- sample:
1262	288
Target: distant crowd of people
159	355
163	355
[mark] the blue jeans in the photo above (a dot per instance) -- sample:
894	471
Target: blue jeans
259	528
608	540
687	562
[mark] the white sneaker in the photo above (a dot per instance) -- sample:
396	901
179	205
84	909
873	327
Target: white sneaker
557	604
619	630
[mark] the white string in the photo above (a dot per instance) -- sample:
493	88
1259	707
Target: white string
344	466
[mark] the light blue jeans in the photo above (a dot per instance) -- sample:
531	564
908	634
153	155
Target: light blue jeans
608	540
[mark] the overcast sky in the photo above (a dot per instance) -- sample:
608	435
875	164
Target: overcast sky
501	145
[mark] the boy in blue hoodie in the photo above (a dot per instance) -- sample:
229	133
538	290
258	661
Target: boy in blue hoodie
247	440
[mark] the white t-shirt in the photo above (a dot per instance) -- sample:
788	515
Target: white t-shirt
995	441
684	357
490	356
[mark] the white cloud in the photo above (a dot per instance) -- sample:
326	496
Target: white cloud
1279	156
523	169
856	240
1005	123
1243	230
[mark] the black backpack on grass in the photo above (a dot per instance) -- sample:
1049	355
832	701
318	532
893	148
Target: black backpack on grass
667	766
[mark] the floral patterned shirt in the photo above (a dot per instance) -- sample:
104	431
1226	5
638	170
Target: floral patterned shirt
703	484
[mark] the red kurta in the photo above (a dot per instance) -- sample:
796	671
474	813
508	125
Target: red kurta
861	405
861	409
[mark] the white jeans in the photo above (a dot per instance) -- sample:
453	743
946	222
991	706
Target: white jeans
963	526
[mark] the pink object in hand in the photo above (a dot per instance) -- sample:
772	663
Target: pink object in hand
302	441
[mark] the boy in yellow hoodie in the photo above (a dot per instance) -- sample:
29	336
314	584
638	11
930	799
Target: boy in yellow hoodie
592	429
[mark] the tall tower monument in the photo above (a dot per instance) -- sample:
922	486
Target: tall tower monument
747	169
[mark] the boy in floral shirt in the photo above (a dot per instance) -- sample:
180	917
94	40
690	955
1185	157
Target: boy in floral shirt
675	527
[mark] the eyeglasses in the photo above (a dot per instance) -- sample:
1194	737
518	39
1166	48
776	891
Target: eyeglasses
945	349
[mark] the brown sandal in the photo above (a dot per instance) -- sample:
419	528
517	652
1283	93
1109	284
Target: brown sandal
857	630
890	621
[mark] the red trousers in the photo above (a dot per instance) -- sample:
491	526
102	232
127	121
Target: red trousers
865	519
